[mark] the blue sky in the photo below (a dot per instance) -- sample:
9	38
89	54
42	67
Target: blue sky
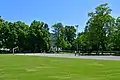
68	12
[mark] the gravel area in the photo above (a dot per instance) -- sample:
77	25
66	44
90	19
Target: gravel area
73	56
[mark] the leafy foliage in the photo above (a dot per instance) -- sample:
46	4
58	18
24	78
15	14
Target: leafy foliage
101	33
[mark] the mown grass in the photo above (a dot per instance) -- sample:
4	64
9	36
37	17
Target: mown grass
47	68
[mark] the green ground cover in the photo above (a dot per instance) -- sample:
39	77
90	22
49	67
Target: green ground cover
48	68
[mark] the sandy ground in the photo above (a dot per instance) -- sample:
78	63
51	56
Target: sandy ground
73	56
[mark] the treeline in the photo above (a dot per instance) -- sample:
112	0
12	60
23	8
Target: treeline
35	37
101	33
24	38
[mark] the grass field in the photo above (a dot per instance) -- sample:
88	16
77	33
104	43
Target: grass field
45	68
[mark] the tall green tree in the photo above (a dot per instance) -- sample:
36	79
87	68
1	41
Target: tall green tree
59	32
39	36
98	27
22	35
115	36
81	42
1	31
70	34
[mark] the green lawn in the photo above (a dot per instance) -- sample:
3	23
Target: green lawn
44	68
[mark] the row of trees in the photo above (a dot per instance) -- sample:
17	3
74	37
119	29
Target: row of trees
64	36
33	38
102	32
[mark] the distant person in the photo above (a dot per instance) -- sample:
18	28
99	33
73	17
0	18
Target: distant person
75	53
79	53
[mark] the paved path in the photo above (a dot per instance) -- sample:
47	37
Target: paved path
73	56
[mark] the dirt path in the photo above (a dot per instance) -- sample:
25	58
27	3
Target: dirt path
73	56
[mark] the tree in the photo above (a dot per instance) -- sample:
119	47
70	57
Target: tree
4	34
59	32
1	32
70	35
115	36
39	36
22	35
98	27
81	41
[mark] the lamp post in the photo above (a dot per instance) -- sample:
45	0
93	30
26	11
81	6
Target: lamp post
77	35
